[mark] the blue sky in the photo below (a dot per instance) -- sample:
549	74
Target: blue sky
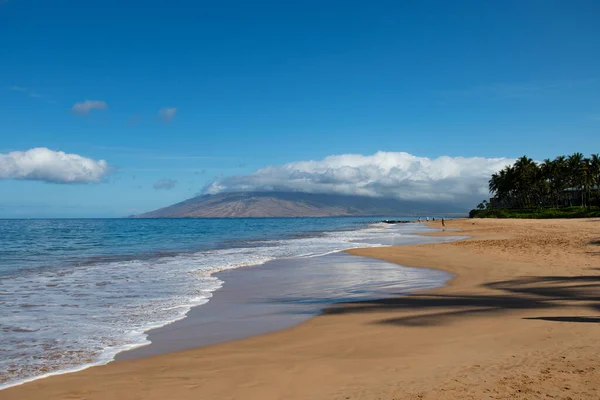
244	85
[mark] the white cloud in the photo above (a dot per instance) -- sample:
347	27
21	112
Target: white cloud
86	106
166	184
42	164
460	180
167	114
30	92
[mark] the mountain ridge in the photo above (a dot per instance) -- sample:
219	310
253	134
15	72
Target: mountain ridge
293	204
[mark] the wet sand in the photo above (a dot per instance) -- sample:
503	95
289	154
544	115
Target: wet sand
281	294
521	320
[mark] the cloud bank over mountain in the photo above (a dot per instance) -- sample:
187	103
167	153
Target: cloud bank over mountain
460	180
42	164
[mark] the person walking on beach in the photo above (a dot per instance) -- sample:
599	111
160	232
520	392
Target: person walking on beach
443	222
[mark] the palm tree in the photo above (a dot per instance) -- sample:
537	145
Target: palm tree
503	186
588	179
561	176
527	184
595	173
577	174
548	179
595	168
526	173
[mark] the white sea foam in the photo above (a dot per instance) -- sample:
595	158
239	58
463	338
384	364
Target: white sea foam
65	320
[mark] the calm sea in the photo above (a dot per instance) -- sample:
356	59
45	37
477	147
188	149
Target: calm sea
75	292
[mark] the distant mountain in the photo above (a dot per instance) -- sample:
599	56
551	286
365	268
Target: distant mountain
293	204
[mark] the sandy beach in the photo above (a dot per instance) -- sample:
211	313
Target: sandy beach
520	320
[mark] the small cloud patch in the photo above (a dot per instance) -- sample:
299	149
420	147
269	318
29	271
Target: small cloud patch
30	92
165	184
86	106
167	114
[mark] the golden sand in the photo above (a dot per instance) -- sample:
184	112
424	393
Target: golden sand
521	320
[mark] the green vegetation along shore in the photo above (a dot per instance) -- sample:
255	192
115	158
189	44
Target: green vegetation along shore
565	212
566	187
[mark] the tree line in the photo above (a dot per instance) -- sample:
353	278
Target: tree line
565	181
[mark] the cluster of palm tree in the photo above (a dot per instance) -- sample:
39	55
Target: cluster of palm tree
565	181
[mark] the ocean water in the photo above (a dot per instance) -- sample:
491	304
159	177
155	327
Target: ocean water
74	293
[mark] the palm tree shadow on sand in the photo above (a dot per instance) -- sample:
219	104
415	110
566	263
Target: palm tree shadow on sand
595	243
525	293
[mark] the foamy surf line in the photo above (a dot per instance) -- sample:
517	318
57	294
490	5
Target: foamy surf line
148	295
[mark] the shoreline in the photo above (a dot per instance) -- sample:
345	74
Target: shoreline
433	325
162	343
246	306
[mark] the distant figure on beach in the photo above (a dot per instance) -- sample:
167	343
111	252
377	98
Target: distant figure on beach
419	220
427	219
433	219
443	222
